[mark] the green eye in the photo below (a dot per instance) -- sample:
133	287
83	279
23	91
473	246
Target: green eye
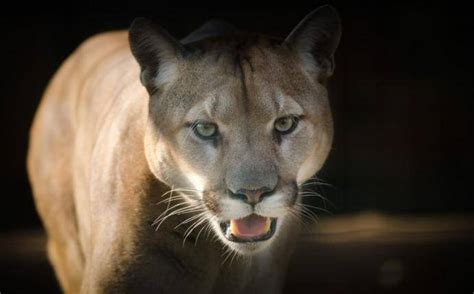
286	125
205	130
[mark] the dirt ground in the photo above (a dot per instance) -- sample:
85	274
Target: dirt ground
363	253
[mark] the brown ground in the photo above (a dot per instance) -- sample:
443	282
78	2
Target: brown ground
364	253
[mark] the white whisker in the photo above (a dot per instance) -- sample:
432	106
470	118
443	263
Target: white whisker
197	223
190	219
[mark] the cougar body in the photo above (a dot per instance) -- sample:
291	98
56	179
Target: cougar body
146	152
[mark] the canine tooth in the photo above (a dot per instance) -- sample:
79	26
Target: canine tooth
233	227
268	224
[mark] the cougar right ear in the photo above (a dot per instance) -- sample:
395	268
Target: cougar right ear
156	51
316	38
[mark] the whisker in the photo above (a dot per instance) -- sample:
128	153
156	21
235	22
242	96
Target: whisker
316	194
311	216
200	231
316	179
179	211
236	254
206	228
191	228
317	208
228	252
296	215
208	232
163	214
190	219
316	183
170	199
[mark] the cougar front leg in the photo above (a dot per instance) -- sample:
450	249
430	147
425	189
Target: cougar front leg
147	265
67	262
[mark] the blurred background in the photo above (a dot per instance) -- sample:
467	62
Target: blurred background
401	211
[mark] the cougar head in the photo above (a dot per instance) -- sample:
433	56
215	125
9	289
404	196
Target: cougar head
238	122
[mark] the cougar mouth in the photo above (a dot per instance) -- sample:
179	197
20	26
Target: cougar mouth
252	228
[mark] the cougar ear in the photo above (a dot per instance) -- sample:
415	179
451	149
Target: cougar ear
316	38
156	51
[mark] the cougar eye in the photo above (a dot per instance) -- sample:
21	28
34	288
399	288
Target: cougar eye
286	125
205	130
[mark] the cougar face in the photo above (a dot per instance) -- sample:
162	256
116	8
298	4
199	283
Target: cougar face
238	122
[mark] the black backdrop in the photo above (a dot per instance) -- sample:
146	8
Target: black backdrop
401	95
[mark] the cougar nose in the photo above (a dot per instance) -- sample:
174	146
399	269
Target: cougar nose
251	196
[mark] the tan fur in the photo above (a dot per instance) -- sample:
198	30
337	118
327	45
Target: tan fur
102	153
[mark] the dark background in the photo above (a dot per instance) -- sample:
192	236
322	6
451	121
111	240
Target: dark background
401	96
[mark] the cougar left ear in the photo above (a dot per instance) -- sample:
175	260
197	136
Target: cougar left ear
156	51
316	39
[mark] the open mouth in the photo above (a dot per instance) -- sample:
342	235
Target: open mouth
252	228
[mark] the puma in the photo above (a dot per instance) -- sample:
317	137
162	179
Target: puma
166	166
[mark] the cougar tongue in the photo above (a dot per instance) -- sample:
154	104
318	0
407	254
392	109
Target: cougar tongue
250	226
